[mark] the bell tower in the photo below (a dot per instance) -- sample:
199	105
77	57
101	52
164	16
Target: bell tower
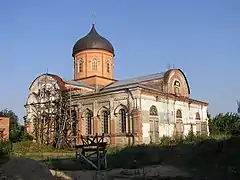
93	57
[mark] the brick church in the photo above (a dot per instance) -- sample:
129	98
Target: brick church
145	108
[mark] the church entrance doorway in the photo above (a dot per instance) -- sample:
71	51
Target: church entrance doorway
154	125
154	130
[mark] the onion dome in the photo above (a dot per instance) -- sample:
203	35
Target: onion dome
92	41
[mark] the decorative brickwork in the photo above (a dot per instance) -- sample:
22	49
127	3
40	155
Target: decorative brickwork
96	125
113	131
172	76
123	102
137	121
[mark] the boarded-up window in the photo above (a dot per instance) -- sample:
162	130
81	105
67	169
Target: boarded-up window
179	128
151	132
156	133
154	130
198	128
204	128
154	124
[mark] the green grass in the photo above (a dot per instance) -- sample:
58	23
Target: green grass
29	149
215	156
36	151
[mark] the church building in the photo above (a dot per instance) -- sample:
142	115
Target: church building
144	108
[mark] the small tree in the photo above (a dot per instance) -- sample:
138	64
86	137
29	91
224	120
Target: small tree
191	136
16	131
228	123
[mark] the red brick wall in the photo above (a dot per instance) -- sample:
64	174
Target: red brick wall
96	125
4	126
137	121
113	131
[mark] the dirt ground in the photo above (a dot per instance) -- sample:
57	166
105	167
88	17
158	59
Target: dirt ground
24	169
28	169
149	172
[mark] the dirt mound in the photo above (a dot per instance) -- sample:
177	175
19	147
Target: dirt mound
27	169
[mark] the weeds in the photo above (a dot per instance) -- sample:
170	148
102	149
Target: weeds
5	149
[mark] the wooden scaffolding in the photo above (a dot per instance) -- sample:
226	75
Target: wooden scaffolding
93	151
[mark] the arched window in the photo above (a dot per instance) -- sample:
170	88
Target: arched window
153	111
122	120
177	87
178	114
108	67
80	67
77	66
89	117
94	64
197	116
105	122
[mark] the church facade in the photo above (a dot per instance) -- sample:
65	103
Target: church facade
144	108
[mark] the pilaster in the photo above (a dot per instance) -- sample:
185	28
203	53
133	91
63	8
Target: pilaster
96	125
113	132
112	122
80	126
137	121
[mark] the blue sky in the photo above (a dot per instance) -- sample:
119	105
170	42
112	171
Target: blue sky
200	37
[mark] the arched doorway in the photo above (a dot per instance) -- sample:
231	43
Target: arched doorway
198	123
179	127
154	124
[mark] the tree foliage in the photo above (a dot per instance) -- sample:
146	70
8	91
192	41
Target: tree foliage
228	123
16	130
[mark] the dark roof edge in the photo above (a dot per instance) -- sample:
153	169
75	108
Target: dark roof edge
80	84
107	86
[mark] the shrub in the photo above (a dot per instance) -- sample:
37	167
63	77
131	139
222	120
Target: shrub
5	149
27	137
166	141
191	137
228	123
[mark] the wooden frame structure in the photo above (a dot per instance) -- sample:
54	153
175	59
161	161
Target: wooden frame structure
93	150
54	116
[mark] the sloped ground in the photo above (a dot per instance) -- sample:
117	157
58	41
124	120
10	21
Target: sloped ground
208	159
25	169
149	172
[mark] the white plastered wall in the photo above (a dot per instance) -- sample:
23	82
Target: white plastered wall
166	113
